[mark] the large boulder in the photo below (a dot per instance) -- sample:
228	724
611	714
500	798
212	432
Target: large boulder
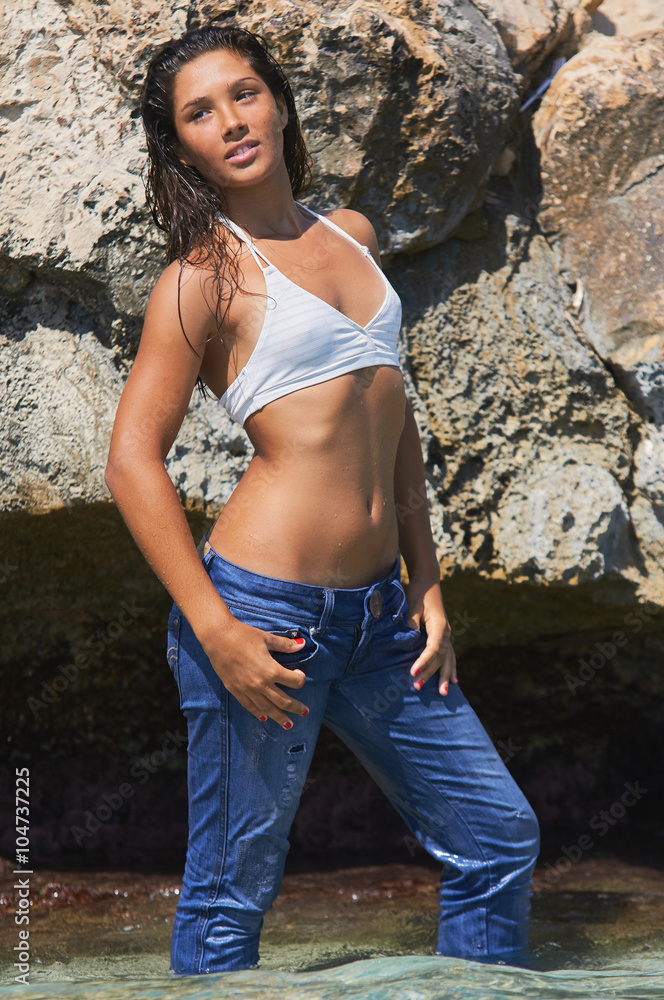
532	29
529	441
384	98
628	17
600	132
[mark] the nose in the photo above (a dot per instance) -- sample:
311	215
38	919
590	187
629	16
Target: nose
233	121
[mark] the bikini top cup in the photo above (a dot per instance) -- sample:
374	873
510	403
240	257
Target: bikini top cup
304	340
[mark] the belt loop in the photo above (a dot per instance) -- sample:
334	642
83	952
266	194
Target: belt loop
327	612
399	586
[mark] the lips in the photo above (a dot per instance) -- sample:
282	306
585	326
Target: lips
241	150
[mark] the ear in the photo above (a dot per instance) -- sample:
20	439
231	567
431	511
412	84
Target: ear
283	110
179	152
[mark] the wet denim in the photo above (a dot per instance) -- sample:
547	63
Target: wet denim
429	754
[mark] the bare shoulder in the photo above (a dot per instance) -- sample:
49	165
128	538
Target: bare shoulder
185	278
182	293
357	226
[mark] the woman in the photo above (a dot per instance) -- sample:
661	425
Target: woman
293	613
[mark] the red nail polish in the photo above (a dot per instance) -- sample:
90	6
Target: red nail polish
262	718
288	725
300	640
306	712
417	685
444	688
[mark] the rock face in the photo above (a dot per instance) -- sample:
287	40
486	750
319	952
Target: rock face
382	98
531	488
76	374
628	17
531	29
527	251
603	117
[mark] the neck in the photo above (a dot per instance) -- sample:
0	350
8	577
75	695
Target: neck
266	210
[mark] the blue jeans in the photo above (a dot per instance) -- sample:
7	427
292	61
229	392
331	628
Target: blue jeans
429	754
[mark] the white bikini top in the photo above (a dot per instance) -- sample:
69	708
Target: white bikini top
304	340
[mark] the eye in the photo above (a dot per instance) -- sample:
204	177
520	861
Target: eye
197	115
249	93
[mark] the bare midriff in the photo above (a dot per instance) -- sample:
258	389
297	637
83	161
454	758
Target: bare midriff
316	504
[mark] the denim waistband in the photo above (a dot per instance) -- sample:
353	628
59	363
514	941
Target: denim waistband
315	604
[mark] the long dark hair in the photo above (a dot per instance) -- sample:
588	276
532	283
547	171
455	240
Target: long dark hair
182	203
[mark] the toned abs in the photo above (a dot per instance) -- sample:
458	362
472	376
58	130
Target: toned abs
316	503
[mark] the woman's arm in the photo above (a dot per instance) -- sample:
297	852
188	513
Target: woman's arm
149	416
425	602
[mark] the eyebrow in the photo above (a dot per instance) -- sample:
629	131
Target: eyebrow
200	100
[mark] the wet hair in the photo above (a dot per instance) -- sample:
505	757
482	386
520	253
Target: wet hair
182	202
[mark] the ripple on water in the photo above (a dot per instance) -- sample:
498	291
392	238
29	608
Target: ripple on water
409	977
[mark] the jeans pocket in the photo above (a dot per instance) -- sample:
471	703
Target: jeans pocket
405	633
298	656
279	625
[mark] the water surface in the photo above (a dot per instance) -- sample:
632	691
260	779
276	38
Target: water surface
597	931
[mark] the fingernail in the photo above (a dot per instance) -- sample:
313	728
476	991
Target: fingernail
288	725
300	641
444	688
262	718
306	712
417	685
416	672
455	679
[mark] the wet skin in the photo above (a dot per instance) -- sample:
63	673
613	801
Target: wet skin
317	503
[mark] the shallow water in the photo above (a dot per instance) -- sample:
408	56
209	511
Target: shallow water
414	977
597	930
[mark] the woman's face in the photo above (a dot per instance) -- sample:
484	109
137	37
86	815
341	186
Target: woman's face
227	121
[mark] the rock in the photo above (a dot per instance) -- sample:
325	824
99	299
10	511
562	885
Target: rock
628	17
525	484
600	132
72	196
382	97
54	439
531	30
61	390
648	506
563	521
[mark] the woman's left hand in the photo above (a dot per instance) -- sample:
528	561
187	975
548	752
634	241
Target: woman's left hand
425	605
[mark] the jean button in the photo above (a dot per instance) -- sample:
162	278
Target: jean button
376	603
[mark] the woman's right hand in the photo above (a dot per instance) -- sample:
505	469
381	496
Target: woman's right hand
240	655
